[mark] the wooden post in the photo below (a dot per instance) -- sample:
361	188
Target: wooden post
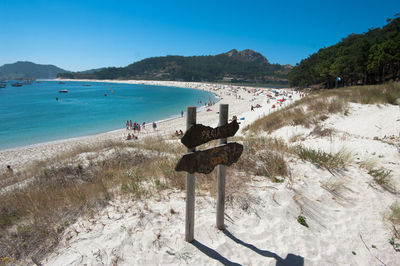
190	183
221	172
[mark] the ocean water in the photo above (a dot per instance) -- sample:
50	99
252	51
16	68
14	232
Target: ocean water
32	114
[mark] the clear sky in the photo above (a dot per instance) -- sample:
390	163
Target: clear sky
80	35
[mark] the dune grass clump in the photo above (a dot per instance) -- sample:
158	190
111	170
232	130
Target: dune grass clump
131	182
159	144
369	163
395	213
270	164
264	157
394	218
254	144
296	138
383	178
329	161
322	132
335	186
166	169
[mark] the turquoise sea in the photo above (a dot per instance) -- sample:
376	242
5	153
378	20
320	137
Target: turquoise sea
32	114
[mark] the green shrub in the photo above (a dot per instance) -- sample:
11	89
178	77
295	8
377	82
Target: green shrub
302	220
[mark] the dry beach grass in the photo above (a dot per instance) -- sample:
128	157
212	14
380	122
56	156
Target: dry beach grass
34	217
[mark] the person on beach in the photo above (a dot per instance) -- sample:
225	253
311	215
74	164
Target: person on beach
134	127
181	113
144	125
127	124
130	124
10	170
252	108
154	125
129	136
180	133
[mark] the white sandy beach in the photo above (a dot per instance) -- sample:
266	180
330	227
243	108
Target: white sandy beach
23	156
347	226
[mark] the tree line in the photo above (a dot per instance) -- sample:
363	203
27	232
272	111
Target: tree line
369	58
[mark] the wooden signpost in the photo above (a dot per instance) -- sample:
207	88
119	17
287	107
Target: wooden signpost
199	134
205	161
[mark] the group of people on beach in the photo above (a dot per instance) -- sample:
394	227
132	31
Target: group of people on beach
207	104
178	133
136	127
131	137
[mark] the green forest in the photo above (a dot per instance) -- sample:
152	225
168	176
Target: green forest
193	68
359	59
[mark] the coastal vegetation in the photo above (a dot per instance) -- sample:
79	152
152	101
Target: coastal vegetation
369	58
236	67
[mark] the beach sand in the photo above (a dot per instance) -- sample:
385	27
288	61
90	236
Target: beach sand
345	211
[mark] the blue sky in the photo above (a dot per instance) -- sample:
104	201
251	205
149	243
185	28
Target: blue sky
80	35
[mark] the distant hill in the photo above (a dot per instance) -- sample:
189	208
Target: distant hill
246	66
21	70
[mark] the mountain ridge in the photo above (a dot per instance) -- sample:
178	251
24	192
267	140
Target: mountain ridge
27	69
246	66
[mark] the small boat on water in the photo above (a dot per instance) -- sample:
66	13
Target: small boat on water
17	84
63	91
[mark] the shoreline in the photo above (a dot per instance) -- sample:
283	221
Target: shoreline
239	99
188	85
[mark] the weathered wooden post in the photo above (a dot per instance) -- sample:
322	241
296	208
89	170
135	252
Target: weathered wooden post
206	160
221	171
190	183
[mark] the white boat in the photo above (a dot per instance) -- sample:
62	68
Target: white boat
63	91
